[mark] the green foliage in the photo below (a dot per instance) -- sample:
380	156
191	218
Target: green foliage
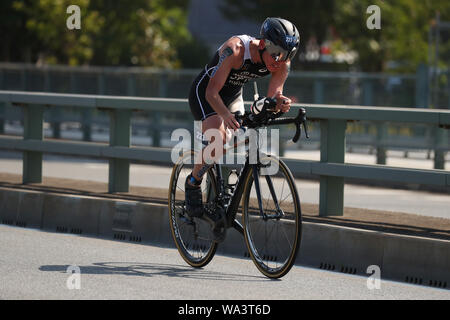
403	37
138	32
154	32
49	40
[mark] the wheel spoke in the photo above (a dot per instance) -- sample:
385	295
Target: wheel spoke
190	235
273	242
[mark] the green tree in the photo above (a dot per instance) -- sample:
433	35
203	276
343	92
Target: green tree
138	32
403	36
48	38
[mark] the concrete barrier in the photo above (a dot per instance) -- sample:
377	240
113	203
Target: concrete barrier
341	249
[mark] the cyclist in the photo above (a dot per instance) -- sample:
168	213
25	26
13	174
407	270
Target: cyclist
217	91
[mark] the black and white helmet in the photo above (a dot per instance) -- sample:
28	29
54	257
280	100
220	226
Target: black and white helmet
281	37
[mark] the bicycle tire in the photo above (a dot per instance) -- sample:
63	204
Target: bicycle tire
269	250
191	235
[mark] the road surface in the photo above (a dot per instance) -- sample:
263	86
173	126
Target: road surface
35	264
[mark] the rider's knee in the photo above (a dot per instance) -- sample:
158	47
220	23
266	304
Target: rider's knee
215	135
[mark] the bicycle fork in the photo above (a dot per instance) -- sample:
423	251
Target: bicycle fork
279	213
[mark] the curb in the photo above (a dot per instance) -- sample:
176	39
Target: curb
409	259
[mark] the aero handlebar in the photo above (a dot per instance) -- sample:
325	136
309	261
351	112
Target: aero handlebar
267	117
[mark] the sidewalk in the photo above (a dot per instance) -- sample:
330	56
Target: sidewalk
390	222
394	158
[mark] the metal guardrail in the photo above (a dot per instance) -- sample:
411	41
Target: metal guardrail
348	88
345	88
331	168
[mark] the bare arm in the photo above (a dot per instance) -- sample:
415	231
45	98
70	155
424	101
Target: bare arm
276	86
217	82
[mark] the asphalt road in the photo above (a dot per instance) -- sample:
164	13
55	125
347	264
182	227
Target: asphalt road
35	264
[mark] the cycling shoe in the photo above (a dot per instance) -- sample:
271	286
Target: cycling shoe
194	205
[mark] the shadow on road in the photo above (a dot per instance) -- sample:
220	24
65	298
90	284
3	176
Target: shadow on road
153	269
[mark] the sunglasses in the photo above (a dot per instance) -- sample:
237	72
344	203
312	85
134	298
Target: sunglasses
278	53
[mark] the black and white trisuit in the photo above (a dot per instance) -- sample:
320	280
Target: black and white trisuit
231	93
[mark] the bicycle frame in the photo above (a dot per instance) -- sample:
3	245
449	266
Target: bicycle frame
224	196
233	205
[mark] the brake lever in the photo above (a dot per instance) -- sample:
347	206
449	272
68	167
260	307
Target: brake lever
300	119
305	126
243	119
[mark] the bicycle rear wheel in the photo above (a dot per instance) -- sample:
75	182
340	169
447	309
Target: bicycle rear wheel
192	236
273	239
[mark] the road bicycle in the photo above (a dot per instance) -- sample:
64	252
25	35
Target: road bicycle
270	211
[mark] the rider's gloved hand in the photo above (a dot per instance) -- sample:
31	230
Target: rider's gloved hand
259	105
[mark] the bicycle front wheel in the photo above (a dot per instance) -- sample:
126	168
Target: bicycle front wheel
191	235
272	223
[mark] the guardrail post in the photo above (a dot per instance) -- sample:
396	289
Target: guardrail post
101	83
55	122
163	84
131	84
24	79
55	113
86	123
422	86
120	135
380	141
440	142
318	91
368	92
332	149
33	129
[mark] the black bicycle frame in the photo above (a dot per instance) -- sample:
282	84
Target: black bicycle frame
236	197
